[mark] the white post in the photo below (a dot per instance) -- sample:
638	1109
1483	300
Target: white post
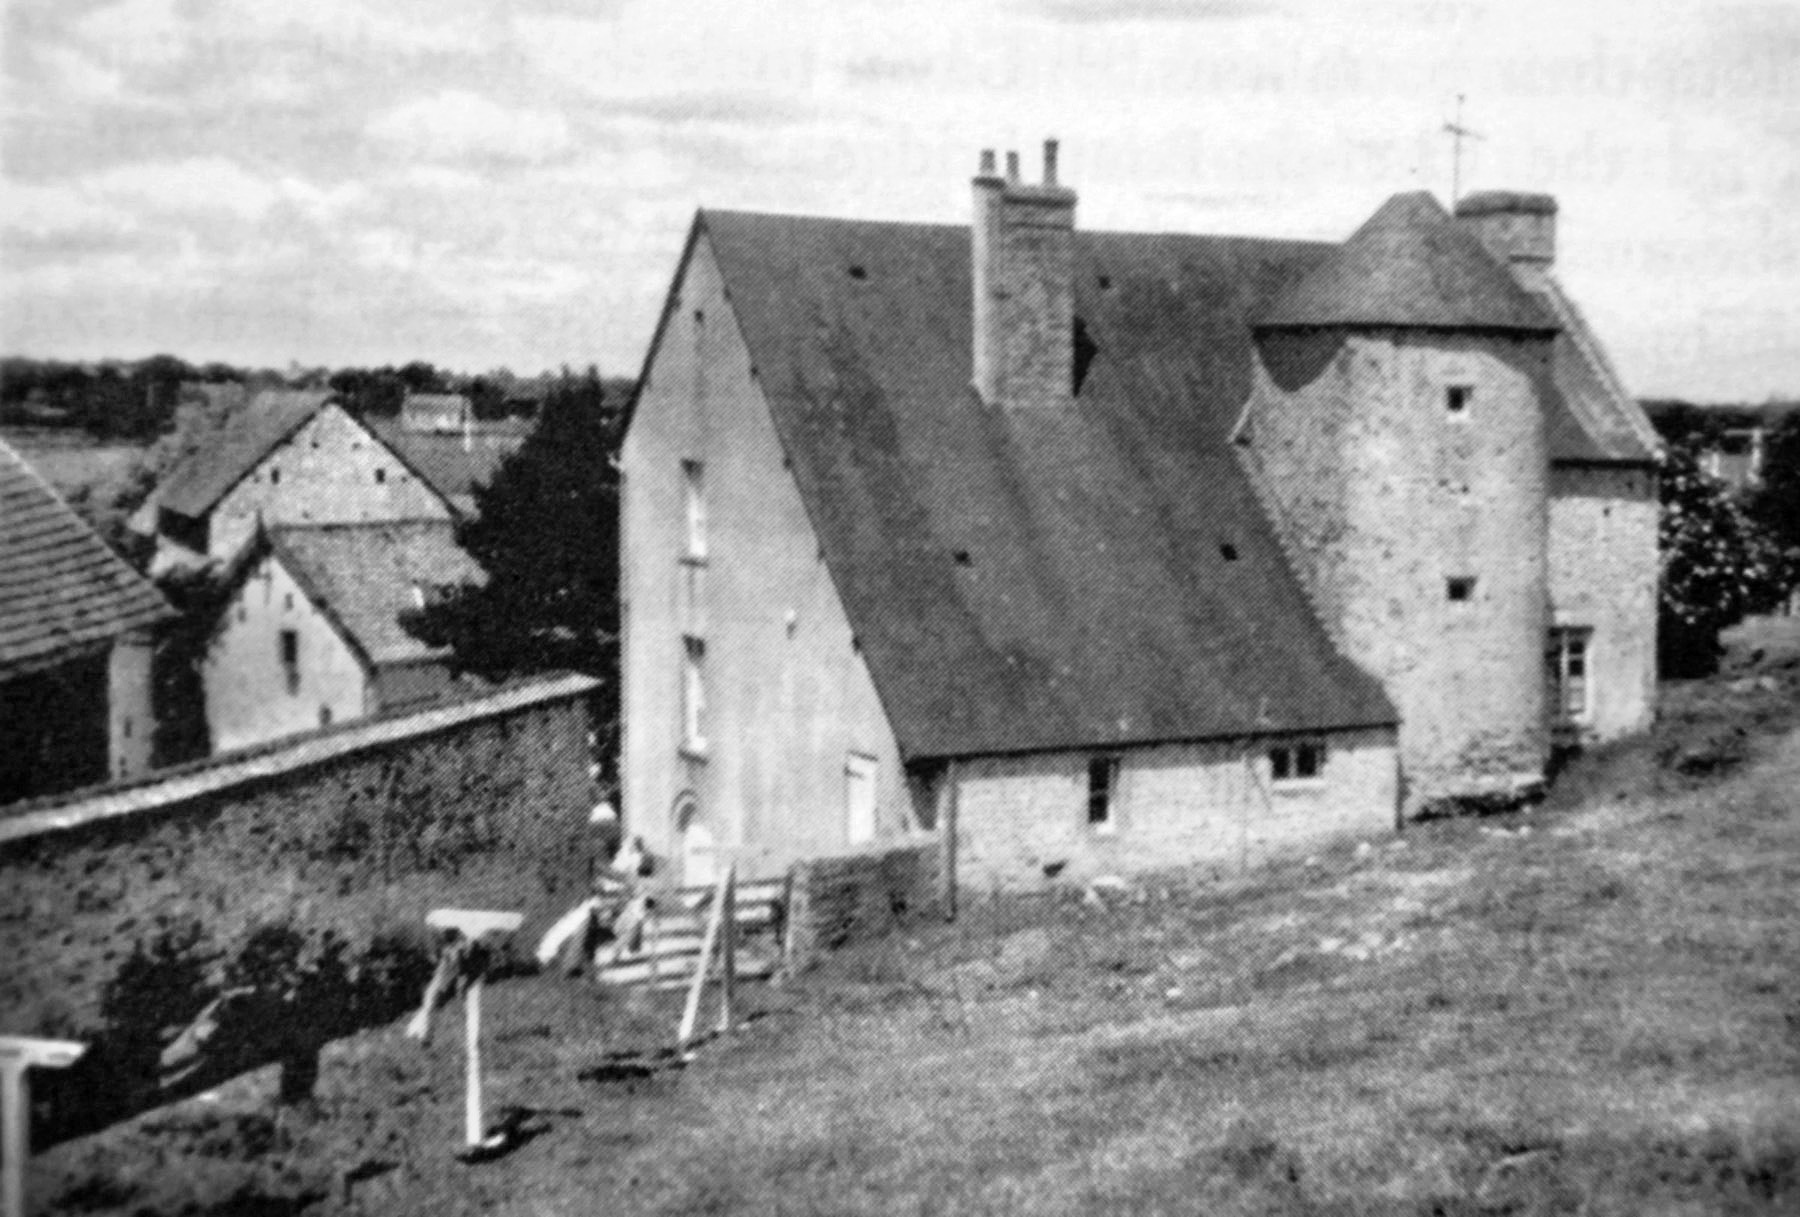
474	1131
17	1054
474	925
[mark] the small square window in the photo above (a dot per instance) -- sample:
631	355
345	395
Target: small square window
1102	793
1297	762
1457	399
1459	589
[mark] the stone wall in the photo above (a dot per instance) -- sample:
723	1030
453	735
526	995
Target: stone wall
333	471
1603	577
847	897
359	830
1023	821
249	699
1384	495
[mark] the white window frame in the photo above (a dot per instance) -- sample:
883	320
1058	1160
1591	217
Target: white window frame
1288	767
693	695
1560	655
693	510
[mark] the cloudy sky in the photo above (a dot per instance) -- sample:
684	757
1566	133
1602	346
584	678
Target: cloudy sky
489	182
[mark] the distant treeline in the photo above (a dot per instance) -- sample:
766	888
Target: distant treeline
137	400
1682	421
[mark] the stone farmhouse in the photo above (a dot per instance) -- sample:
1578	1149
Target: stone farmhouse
311	635
76	635
289	457
1099	551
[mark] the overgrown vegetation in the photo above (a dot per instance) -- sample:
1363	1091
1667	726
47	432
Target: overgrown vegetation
1719	565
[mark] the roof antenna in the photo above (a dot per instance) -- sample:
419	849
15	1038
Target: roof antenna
1457	133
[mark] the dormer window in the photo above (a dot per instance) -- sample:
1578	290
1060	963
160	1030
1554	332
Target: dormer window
1457	399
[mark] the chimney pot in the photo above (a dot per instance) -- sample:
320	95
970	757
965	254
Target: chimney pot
1012	166
1049	162
987	162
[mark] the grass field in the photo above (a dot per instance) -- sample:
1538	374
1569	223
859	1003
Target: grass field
1590	1008
69	459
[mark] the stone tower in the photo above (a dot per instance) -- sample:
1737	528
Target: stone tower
1022	242
1396	432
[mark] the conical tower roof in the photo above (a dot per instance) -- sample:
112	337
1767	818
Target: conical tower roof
1410	264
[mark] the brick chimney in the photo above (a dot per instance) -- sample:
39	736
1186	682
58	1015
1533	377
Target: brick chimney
1519	229
1022	240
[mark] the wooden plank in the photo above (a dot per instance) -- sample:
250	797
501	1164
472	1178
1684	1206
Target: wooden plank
728	955
638	971
715	921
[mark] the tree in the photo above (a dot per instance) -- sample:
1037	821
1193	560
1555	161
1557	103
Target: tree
1776	502
1718	566
547	534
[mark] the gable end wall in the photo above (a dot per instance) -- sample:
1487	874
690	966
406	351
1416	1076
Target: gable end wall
328	475
788	697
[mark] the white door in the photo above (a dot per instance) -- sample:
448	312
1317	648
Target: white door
859	798
699	866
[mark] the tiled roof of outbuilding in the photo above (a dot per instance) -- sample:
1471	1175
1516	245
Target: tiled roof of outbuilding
1049	579
1411	265
364	576
208	475
61	588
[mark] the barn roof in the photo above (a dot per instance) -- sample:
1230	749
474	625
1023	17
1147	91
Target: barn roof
364	576
1032	580
61	588
197	484
454	465
1410	264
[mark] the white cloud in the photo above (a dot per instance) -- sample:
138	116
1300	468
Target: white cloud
197	185
455	124
136	33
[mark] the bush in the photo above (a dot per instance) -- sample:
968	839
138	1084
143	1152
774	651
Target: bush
1718	566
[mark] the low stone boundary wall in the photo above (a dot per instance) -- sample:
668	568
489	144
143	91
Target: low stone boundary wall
847	897
353	832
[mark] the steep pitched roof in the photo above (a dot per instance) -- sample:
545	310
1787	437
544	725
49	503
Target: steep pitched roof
1592	419
1410	264
61	588
1039	579
364	576
197	484
449	465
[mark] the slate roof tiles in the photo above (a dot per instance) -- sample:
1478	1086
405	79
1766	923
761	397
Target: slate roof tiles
61	589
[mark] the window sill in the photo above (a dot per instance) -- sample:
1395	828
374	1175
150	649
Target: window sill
1297	786
692	560
693	751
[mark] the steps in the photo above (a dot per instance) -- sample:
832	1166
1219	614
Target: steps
672	938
